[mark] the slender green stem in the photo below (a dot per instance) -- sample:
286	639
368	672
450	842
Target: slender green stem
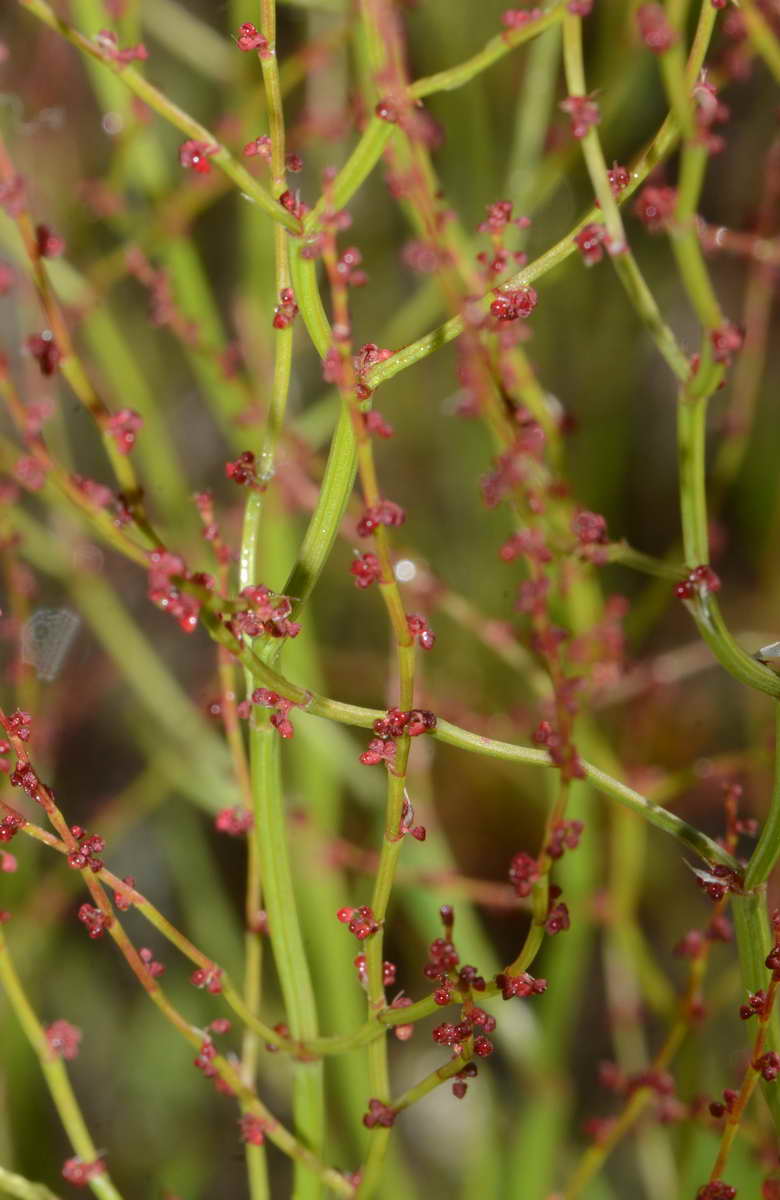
648	311
339	476
729	654
304	274
335	1044
624	261
672	63
765	856
12	1184
268	853
380	1136
685	240
54	1073
355	171
161	104
323	528
660	146
683	233
429	1083
591	145
294	1147
71	366
453	735
270	830
637	560
493	50
754	942
753	938
762	36
691	452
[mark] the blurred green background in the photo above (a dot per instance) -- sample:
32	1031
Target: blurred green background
123	731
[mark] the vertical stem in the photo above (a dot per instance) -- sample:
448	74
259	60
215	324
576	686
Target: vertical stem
691	450
591	145
754	941
765	856
257	1167
268	853
270	835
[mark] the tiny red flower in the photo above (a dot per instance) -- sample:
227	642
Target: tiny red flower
259	148
378	1114
366	570
123	427
79	1173
194	155
513	303
63	1039
590	242
45	351
235	821
250	39
583	113
654	28
655	207
252	1129
48	243
518	18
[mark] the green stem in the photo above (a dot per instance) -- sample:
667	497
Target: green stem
286	940
591	145
12	1184
296	1149
55	1075
650	314
729	654
661	145
685	240
323	527
453	735
268	854
637	560
762	36
158	101
625	264
380	1136
492	51
355	171
754	941
691	451
432	1081
672	63
767	852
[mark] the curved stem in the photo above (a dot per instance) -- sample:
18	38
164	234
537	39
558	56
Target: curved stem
12	1184
661	145
454	735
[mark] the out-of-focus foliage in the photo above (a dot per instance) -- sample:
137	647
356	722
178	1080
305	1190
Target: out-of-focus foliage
123	731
